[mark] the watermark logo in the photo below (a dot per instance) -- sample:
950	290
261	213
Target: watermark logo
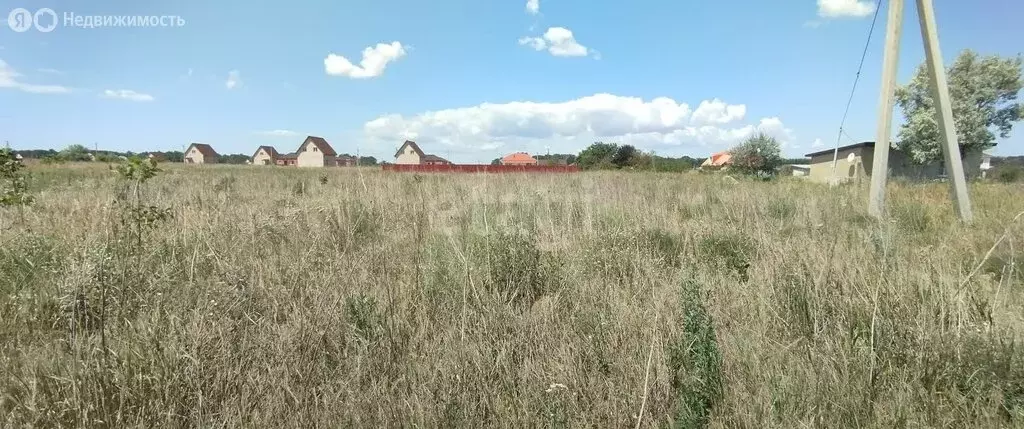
45	20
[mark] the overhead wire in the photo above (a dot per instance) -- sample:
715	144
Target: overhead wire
849	102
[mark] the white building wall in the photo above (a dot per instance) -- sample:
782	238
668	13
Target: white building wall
310	156
408	156
196	155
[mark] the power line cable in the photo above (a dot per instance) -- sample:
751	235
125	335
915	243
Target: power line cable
856	79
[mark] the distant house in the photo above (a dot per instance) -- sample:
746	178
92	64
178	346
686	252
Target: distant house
429	159
288	159
315	152
265	155
345	161
411	154
855	161
518	158
200	153
717	160
801	170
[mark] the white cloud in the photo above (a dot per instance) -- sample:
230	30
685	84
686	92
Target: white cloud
718	112
10	78
845	8
817	143
234	80
127	94
559	41
660	123
279	133
375	60
532	6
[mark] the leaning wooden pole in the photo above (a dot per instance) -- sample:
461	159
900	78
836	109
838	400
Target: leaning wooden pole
944	111
886	103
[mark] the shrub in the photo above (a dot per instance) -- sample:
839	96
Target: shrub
758	154
695	361
1010	174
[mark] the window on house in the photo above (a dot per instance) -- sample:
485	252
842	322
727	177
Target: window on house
314	148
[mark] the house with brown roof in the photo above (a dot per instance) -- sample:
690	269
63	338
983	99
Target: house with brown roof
518	158
286	160
265	155
345	161
315	152
411	154
200	153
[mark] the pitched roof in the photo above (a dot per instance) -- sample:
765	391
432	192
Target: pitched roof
852	146
718	159
346	156
292	155
433	158
518	158
321	144
414	147
269	149
203	148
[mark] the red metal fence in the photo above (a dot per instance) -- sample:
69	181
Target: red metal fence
480	168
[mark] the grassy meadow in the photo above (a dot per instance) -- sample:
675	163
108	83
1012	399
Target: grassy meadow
286	298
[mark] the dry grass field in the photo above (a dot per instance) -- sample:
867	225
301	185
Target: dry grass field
353	298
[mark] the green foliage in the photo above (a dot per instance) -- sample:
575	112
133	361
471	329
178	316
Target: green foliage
695	361
729	250
519	272
555	159
597	155
15	189
983	92
496	161
613	156
138	169
1010	174
75	152
760	154
367	160
364	317
623	156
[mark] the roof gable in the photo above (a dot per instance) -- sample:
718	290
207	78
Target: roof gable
320	144
414	147
203	148
269	150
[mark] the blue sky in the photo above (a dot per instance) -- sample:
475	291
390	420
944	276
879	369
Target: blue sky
467	79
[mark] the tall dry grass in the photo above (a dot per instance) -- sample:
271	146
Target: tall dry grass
341	297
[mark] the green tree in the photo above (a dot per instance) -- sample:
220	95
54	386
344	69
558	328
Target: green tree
496	161
983	93
624	156
367	160
597	155
75	152
759	154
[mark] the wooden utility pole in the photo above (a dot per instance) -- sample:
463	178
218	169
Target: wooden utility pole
943	111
